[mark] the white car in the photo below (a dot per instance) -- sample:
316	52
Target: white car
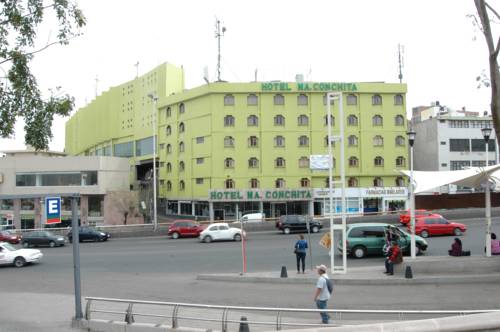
251	218
220	232
19	257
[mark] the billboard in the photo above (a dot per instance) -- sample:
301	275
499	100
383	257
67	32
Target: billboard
319	162
53	210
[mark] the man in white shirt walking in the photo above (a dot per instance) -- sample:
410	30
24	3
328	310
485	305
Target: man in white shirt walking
322	294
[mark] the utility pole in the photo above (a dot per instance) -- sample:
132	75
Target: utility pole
218	35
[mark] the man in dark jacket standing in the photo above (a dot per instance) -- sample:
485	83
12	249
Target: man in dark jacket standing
392	258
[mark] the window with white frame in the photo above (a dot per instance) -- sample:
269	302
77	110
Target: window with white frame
304	162
254	183
376	100
252	121
302	99
303	140
352	100
305	183
279	120
229	184
279	99
252	99
400	161
398	100
279	141
280	183
253	162
352	140
229	163
378	161
253	141
352	182
228	142
400	141
228	100
353	162
352	120
279	162
303	120
377	182
377	120
229	121
399	120
181	166
378	140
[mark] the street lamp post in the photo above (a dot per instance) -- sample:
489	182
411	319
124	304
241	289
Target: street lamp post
154	98
411	141
486	134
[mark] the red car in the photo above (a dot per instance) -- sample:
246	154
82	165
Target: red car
437	225
185	228
10	236
405	217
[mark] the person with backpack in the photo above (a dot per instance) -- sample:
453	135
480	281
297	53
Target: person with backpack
324	288
300	253
395	256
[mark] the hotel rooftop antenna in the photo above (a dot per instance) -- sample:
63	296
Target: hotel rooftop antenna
96	83
401	51
218	35
136	65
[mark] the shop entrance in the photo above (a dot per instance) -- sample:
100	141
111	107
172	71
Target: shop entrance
219	214
372	205
278	209
394	206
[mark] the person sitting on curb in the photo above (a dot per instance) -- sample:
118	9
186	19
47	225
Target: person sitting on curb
456	248
395	256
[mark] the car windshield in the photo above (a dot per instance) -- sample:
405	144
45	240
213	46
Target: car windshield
9	247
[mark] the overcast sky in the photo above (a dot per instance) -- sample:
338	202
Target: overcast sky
333	40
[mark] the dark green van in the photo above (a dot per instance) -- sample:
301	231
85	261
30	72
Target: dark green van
370	239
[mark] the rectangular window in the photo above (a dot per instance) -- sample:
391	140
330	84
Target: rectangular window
124	149
478	163
199	180
25	180
144	147
200	140
86	178
456	165
68	179
200	160
459	145
444	165
443	143
106	151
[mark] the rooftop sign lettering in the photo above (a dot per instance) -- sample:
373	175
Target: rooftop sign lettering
317	86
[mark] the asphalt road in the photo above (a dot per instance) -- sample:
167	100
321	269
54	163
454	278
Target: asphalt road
163	269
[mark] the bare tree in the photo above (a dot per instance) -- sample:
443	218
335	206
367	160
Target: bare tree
483	10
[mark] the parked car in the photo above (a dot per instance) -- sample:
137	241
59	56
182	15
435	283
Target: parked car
297	223
10	236
370	238
220	232
89	234
251	218
405	217
18	257
42	238
437	225
185	228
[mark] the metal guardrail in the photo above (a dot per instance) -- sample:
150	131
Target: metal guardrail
129	314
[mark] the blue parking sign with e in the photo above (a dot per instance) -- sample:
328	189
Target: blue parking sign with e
53	210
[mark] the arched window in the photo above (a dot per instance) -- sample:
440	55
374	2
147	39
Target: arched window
305	183
229	184
398	100
252	99
279	100
352	140
228	142
400	141
400	182
169	112
332	120
378	140
252	121
279	120
168	131
181	147
182	185
228	100
400	161
169	148
229	163
169	167
279	141
302	99
254	183
352	182
303	140
169	186
352	120
253	141
304	162
181	127
229	121
378	161
303	120
376	100
377	182
352	100
181	108
279	162
353	162
280	183
253	162
377	120
399	120
181	166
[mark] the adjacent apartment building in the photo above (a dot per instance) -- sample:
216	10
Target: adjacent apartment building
224	149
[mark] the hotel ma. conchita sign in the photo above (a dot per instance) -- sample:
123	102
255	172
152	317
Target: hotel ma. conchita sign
261	195
317	86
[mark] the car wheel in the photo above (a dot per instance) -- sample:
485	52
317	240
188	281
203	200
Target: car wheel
19	262
315	229
175	235
26	244
207	239
359	252
237	237
52	244
424	233
457	231
286	230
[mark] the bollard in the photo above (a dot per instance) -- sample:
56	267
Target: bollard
244	324
284	274
408	273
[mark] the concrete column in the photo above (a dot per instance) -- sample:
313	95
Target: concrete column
193	208
178	207
311	208
38	212
84	210
273	212
237	211
261	207
211	210
17	213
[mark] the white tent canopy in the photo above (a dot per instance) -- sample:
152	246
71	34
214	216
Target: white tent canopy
472	177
